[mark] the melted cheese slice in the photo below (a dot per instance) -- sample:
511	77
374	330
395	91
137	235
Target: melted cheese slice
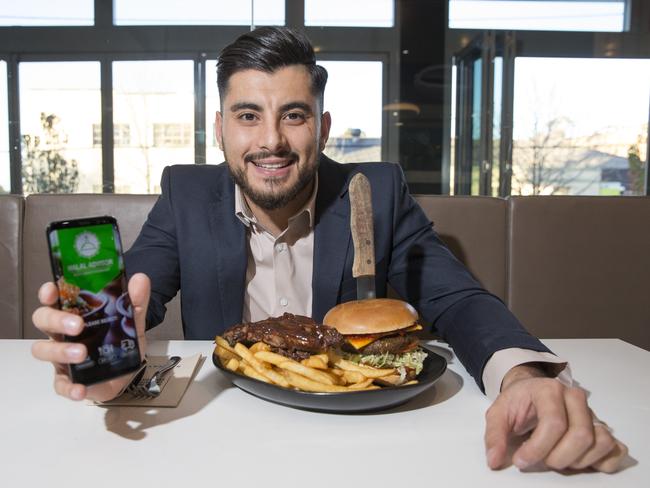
363	340
360	341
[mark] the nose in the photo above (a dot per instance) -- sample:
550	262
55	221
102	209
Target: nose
272	138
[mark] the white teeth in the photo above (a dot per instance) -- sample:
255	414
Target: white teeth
272	166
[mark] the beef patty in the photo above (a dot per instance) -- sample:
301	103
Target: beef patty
395	344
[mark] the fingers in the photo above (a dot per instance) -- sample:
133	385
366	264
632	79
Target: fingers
59	352
602	446
64	387
139	292
552	423
107	390
497	431
613	461
55	323
579	437
48	294
52	322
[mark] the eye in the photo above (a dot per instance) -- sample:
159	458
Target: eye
295	117
247	117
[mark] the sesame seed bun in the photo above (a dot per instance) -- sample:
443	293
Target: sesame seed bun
372	316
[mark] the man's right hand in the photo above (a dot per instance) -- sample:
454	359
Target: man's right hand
56	323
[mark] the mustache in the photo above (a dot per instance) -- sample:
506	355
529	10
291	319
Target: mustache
253	157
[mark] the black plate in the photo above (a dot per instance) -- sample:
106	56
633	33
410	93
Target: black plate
357	401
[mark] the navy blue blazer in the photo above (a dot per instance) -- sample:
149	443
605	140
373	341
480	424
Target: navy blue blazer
193	241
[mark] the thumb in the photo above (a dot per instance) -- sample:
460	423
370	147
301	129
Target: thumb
139	292
497	432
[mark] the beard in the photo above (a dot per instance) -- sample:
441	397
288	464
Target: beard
273	197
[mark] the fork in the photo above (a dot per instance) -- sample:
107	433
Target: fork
133	385
152	388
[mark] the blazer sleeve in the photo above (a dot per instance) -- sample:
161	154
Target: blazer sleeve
155	253
423	270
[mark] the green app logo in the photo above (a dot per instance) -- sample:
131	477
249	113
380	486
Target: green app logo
89	258
86	244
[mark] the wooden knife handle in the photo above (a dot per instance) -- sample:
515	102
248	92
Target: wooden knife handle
361	226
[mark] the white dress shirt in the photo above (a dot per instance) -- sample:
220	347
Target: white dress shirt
279	275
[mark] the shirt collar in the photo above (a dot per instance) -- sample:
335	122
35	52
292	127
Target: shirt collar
245	214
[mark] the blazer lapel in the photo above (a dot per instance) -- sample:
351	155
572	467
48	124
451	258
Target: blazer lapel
229	243
331	236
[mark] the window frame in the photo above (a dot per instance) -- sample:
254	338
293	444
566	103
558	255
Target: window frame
105	42
634	42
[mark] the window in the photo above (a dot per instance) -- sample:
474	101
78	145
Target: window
59	102
401	111
172	135
199	12
5	175
213	154
354	13
38	12
121	135
155	99
580	126
353	96
567	15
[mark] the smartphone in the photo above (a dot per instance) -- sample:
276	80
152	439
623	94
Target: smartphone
88	269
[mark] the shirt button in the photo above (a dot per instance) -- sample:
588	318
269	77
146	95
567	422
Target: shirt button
282	247
284	302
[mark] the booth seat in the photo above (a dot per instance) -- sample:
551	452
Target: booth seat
566	266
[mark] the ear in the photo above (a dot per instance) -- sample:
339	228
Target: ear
325	125
218	129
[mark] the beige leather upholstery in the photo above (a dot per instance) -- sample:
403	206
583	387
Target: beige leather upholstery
11	218
580	266
130	212
566	266
474	229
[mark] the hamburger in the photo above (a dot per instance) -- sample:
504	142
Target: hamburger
380	332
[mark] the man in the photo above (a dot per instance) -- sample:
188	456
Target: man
268	232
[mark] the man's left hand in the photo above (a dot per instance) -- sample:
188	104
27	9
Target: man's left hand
564	433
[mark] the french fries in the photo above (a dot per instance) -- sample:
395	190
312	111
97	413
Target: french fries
260	346
233	364
258	366
367	371
317	361
327	373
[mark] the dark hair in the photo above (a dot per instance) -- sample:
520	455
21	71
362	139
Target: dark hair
267	49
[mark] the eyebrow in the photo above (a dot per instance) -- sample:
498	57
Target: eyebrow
296	105
284	108
245	106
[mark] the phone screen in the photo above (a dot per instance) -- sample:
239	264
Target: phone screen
88	268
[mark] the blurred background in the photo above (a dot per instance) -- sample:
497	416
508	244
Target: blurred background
472	97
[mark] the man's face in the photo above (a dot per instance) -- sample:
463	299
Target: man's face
272	134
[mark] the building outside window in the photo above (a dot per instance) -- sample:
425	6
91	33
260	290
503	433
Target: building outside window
155	98
121	135
172	135
479	97
57	112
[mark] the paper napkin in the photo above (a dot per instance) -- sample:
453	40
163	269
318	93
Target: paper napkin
173	386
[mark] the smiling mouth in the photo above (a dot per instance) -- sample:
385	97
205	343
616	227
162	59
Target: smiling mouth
272	166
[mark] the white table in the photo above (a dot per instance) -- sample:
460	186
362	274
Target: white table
220	436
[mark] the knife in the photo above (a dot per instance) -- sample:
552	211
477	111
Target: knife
361	226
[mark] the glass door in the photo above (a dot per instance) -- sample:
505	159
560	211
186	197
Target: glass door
484	87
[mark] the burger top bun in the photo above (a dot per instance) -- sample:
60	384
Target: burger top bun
372	316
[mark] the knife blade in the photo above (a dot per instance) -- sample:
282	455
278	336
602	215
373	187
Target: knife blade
361	226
